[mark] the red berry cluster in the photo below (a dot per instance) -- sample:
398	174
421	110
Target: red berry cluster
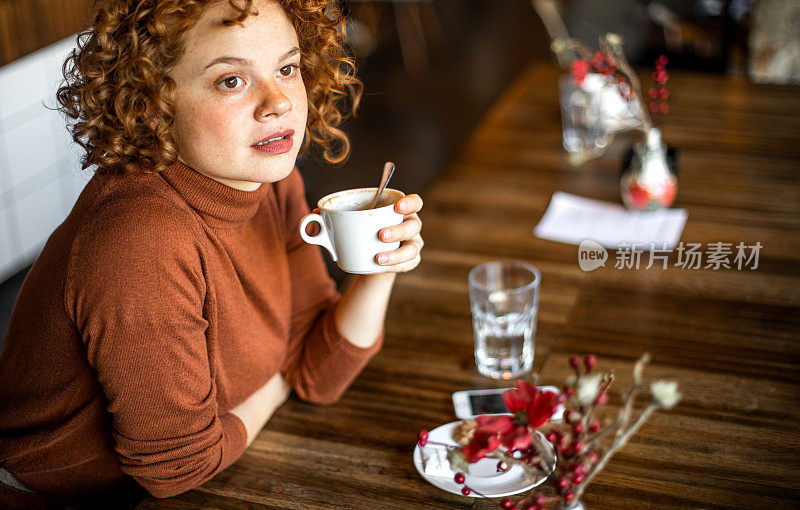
571	445
570	441
601	63
658	92
604	64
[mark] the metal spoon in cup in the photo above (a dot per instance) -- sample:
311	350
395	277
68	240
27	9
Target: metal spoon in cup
388	171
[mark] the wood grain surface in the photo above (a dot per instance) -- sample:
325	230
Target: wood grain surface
29	25
729	337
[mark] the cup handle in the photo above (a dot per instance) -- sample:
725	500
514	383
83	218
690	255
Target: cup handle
322	238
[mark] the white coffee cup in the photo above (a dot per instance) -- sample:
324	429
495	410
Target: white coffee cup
350	232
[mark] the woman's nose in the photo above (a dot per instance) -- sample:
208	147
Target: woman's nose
275	102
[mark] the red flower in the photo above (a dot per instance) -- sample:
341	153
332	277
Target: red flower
541	408
579	69
537	406
482	443
531	407
519	398
495	423
518	438
512	436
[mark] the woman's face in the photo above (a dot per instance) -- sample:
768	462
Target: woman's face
240	102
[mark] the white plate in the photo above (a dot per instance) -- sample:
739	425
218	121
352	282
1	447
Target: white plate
483	476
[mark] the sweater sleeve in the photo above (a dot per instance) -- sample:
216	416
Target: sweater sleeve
136	292
320	363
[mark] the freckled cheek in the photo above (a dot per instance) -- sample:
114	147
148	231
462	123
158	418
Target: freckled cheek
212	123
217	127
204	132
211	128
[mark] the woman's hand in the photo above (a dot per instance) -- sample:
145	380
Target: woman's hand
407	256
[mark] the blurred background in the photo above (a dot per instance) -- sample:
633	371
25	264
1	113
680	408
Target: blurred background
431	69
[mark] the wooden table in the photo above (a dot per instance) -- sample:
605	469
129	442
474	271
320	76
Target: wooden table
729	337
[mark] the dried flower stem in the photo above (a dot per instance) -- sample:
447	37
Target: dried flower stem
618	443
615	52
622	434
603	387
548	12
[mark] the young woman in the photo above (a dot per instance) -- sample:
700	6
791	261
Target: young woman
177	306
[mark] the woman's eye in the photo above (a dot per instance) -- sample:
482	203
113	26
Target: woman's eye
231	83
288	70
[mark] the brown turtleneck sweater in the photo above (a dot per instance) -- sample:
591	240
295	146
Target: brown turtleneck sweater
161	303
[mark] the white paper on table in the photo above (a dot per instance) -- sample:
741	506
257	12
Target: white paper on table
571	219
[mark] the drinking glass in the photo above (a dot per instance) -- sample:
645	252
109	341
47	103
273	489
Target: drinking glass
504	299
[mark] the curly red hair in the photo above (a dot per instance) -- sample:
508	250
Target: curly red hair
118	92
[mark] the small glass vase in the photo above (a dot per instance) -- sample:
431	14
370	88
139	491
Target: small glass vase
592	112
580	112
649	180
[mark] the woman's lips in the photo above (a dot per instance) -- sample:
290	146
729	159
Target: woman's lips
276	143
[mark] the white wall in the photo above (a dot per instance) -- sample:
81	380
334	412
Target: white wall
40	175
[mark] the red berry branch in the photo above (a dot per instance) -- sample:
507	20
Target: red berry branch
658	92
610	61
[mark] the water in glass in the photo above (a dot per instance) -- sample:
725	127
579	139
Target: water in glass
504	343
